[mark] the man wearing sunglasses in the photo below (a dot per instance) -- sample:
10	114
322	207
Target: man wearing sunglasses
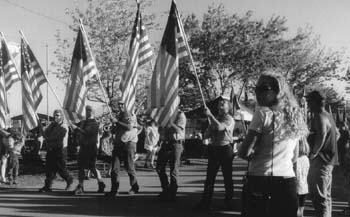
126	137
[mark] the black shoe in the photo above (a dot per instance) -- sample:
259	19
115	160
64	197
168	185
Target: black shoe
69	184
134	190
45	189
79	190
101	187
111	194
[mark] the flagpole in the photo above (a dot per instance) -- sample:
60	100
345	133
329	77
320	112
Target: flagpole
97	74
190	54
48	82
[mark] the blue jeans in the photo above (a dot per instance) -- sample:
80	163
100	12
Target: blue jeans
320	185
123	152
169	152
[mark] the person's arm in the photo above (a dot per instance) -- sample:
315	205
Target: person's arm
321	123
131	122
246	150
213	121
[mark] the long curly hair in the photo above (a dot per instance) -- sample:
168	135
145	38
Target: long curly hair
294	125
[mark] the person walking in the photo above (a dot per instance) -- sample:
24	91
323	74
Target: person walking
220	153
151	141
56	136
170	151
88	131
126	137
324	154
271	148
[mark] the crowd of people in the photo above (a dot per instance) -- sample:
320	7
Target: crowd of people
287	158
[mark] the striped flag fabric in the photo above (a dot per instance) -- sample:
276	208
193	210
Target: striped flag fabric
140	52
9	68
3	101
32	78
164	99
83	68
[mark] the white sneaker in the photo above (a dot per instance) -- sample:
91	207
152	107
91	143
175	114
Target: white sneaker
136	157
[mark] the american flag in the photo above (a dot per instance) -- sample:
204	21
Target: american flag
83	68
9	68
32	78
140	52
164	98
3	101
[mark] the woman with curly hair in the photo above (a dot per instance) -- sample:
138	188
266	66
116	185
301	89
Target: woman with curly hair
271	148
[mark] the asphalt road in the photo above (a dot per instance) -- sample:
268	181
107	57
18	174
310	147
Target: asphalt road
25	200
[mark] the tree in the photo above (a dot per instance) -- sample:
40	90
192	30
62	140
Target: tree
108	25
231	47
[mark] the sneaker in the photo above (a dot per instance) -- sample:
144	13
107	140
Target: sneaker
111	194
45	189
133	191
69	185
136	157
79	190
101	187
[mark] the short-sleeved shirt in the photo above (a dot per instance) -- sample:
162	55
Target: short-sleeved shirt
272	152
173	135
123	134
225	137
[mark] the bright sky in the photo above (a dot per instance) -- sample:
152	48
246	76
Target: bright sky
328	19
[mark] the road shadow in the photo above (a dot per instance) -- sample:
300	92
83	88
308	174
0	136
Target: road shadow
93	204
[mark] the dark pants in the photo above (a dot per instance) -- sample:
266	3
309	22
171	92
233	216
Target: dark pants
219	156
56	163
13	167
169	152
123	152
87	160
265	196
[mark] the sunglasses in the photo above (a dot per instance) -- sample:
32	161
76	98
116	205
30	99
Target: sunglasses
262	89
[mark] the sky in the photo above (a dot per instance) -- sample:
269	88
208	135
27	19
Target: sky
328	19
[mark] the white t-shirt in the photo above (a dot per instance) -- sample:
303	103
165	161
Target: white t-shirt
152	138
262	163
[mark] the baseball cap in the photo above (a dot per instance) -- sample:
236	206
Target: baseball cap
316	95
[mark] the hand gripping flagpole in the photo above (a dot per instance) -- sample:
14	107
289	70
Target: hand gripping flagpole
49	83
190	54
97	74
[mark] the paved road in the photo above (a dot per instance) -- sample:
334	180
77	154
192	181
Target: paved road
25	200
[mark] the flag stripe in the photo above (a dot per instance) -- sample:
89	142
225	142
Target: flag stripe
139	54
32	78
10	72
164	99
83	68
